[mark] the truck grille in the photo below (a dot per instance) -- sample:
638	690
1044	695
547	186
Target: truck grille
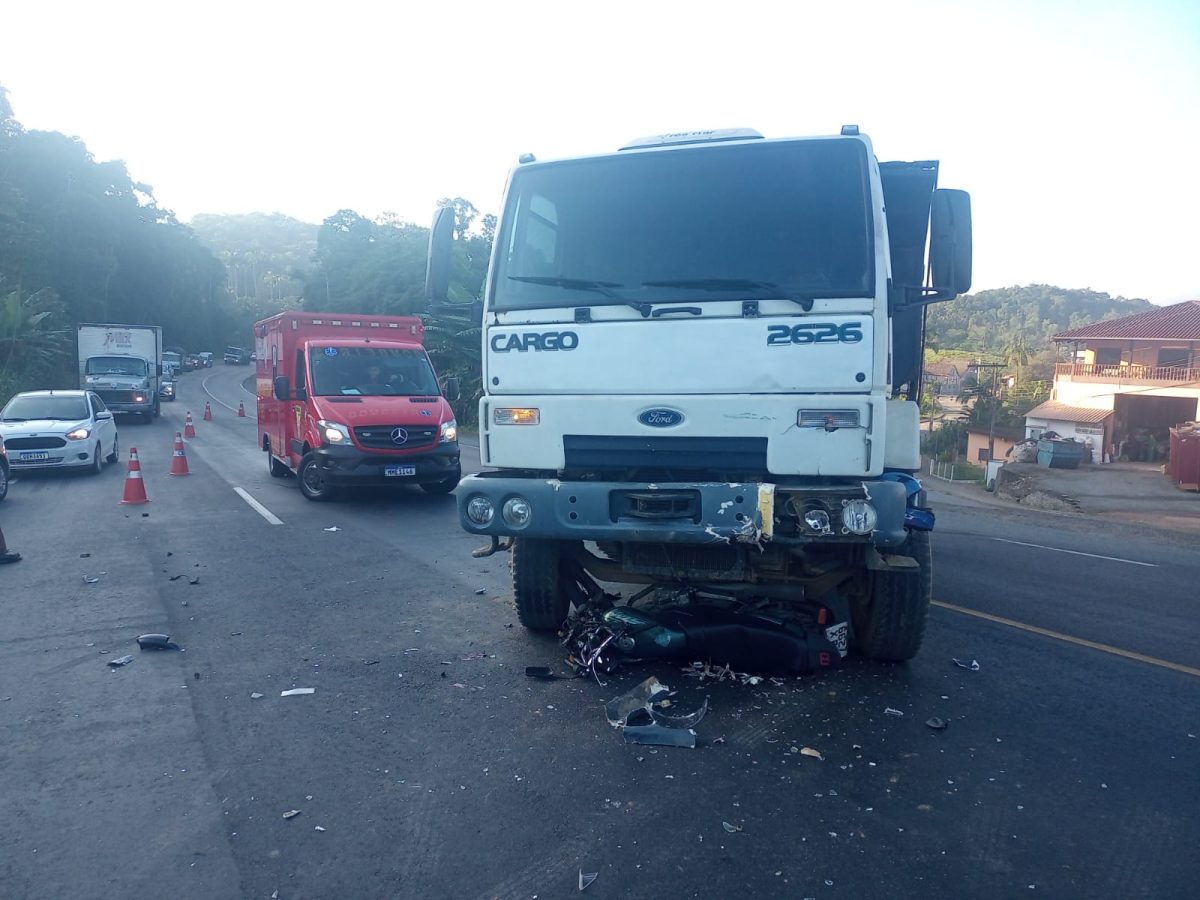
704	454
116	396
34	443
380	437
716	562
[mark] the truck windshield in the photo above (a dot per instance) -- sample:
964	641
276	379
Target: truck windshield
377	371
115	365
25	409
719	222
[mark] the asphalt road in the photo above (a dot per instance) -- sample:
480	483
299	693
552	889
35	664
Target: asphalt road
426	765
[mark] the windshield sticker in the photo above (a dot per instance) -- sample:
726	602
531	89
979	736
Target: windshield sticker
331	351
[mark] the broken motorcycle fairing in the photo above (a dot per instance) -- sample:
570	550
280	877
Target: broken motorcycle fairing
745	641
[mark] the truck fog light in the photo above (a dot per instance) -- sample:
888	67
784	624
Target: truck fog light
517	512
817	520
480	511
859	516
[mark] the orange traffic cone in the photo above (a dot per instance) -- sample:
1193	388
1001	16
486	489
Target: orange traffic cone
135	488
179	464
241	410
207	412
189	430
6	555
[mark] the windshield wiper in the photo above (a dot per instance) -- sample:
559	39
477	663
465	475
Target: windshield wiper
732	284
580	284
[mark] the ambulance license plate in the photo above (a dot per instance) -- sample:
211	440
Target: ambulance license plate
399	470
30	455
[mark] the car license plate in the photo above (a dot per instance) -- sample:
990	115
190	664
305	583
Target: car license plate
399	470
33	455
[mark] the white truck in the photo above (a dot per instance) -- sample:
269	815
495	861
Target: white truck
123	364
702	370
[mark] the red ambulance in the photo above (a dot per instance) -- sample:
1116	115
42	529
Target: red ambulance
353	400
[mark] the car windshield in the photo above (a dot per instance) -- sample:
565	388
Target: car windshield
740	221
24	409
116	365
373	371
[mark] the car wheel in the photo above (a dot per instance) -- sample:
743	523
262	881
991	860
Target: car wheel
3	481
97	460
313	483
116	454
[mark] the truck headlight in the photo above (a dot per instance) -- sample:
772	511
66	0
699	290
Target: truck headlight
516	416
80	434
516	512
334	432
139	398
480	511
449	432
859	516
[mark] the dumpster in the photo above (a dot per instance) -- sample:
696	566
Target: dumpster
1183	465
1059	454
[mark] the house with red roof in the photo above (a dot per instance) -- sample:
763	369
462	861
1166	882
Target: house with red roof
1125	382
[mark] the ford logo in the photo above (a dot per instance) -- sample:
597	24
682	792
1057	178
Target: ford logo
660	418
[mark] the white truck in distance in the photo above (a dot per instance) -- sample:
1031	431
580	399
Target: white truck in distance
122	363
702	367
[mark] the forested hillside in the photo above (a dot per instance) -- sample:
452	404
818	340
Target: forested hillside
82	241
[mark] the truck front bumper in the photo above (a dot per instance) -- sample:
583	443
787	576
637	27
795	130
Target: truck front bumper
687	513
352	466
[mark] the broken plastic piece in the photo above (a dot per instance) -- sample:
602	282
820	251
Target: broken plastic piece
480	592
291	814
620	709
586	880
332	528
318	828
893	712
809	751
87	579
656	735
296	692
156	642
120	661
967	664
256	696
937	724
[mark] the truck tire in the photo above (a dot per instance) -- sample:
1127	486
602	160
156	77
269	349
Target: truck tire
889	620
445	486
539	589
313	484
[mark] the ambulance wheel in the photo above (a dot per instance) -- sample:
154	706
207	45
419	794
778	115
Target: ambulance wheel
274	466
889	617
313	483
541	594
444	486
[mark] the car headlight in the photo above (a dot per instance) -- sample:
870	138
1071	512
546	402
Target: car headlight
516	512
859	516
449	432
80	434
480	511
334	432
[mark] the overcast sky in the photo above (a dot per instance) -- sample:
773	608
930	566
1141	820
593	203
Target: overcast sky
1074	125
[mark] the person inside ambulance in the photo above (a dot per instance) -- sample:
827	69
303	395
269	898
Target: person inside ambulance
376	381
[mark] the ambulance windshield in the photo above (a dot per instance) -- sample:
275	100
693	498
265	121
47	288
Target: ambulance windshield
371	371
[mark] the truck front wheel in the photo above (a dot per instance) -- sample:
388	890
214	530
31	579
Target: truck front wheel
541	593
890	615
313	483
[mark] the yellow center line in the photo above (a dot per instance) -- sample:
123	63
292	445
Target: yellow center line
1070	639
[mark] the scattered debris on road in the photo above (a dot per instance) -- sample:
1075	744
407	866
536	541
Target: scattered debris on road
731	828
809	751
195	579
120	661
543	673
586	879
893	712
256	696
296	692
87	579
318	828
937	724
291	814
480	592
331	528
971	664
642	716
157	642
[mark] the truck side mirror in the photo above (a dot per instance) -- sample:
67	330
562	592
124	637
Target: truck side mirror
437	267
281	387
453	390
950	242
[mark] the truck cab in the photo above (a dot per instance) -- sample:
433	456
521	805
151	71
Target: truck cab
353	401
702	362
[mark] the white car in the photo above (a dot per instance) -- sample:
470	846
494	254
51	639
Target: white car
59	429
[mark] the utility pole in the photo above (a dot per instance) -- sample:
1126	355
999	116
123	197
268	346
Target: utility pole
995	367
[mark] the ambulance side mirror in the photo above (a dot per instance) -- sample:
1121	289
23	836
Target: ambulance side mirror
281	387
453	390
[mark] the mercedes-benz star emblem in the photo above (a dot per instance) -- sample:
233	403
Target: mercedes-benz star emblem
399	436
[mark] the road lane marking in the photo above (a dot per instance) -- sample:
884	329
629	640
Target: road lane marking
258	507
1071	639
216	399
1132	562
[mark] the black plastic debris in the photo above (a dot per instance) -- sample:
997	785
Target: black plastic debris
659	736
543	673
120	661
156	642
645	717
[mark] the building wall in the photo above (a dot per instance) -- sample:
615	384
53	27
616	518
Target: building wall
1099	435
1099	394
978	442
1142	353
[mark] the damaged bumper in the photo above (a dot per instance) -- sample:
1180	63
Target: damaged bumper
686	513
